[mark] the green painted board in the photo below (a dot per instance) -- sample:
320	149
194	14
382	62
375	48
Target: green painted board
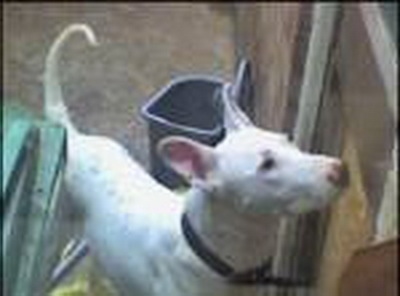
15	218
16	138
34	157
41	238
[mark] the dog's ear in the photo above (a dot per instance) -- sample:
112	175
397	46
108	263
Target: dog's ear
189	158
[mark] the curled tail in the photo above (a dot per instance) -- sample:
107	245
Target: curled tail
55	108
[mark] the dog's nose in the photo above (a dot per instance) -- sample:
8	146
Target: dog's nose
338	173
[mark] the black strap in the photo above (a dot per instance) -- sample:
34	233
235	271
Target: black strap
259	275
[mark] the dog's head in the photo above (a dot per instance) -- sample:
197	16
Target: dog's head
256	169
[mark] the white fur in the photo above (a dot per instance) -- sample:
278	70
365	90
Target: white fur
132	223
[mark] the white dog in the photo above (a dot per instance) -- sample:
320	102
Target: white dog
151	241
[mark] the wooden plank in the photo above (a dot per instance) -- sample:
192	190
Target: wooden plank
52	240
384	50
15	222
387	220
266	34
296	233
385	54
324	20
298	65
350	225
40	250
16	139
372	271
369	139
366	106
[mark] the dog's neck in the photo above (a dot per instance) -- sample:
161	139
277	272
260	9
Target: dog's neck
242	239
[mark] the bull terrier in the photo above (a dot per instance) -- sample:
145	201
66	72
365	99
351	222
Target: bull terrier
212	241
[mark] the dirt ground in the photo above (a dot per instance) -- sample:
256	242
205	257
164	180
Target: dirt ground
142	47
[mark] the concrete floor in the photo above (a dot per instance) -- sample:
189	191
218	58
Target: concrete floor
142	47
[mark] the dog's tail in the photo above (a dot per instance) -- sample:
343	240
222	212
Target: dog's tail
55	108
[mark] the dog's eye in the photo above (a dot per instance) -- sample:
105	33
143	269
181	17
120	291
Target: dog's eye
267	164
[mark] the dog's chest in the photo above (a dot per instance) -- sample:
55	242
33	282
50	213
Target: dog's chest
149	256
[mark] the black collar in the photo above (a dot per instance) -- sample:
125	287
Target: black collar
260	275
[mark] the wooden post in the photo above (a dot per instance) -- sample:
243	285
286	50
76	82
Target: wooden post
317	57
369	140
295	231
385	55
